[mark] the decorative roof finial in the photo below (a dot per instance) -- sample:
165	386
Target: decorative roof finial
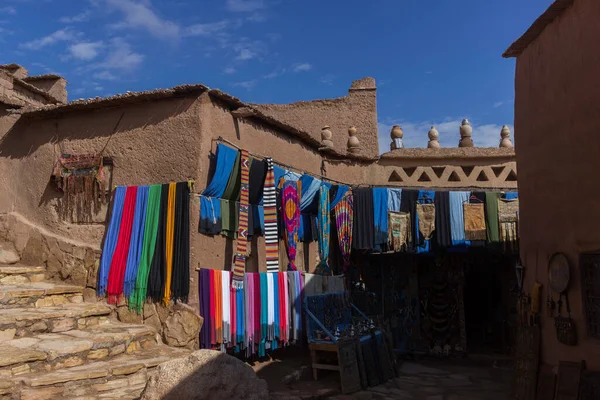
326	136
353	142
433	138
466	130
396	135
505	137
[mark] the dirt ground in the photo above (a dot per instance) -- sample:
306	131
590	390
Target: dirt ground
289	377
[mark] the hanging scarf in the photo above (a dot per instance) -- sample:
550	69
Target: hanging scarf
324	230
233	302
213	308
137	240
443	233
156	279
270	212
225	299
363	237
218	275
169	242
116	275
271	307
242	239
457	217
291	220
340	191
205	308
394	199
136	300
264	312
344	219
256	317
408	204
380	208
425	220
310	187
491	209
225	160
210	216
180	283
112	236
258	173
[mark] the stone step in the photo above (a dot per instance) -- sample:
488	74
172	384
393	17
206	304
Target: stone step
121	377
53	351
14	274
25	322
38	294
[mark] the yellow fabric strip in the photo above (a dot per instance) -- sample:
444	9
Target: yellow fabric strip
170	235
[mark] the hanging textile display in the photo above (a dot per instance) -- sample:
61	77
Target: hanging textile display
271	233
81	177
291	219
258	174
425	220
426	215
394	199
457	218
344	220
324	231
363	237
443	230
474	221
116	275
138	297
491	209
137	240
156	279
408	204
399	230
508	217
380	213
340	191
180	283
241	251
210	216
112	236
170	232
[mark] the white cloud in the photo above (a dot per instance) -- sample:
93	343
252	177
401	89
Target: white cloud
61	35
121	57
248	85
275	73
139	15
245	5
415	133
8	10
105	75
229	70
85	51
498	104
209	28
301	67
245	54
81	17
327	79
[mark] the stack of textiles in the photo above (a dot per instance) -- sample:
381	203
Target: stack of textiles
265	315
147	246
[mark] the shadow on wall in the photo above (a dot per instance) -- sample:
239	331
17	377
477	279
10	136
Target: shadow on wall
30	133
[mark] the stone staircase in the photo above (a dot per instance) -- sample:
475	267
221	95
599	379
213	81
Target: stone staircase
53	345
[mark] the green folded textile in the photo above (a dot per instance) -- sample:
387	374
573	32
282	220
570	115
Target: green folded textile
491	208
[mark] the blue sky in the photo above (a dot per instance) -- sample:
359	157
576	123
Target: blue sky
435	61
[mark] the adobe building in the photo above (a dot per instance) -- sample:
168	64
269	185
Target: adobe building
556	115
167	135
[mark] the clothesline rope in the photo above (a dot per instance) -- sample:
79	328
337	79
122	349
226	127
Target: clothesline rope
322	177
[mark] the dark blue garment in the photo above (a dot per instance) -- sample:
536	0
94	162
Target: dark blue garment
422	245
225	159
310	187
210	216
380	213
339	195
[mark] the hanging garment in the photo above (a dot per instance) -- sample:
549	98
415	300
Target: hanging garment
170	229
408	205
340	192
229	218
218	284
363	236
270	211
299	287
242	241
213	308
474	212
380	207
248	306
137	240
291	219
426	215
258	174
112	236
225	160
258	299
156	280
510	195
399	230
116	275
508	218
324	230
205	308
233	301
491	210
344	219
137	299
210	216
394	199
264	314
232	190
271	307
310	187
180	283
287	175
457	218
443	234
225	301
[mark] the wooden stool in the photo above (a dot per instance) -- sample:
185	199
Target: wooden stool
325	347
347	363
